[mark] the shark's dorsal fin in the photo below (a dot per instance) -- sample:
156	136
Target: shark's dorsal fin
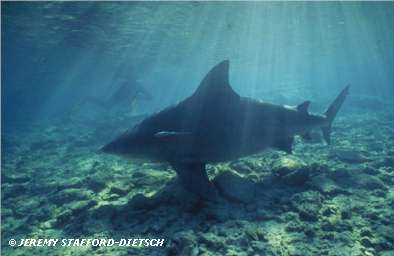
303	107
216	82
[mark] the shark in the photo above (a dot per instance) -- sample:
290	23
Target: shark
214	125
126	94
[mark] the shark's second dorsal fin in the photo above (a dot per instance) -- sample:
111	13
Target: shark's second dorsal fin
216	82
303	107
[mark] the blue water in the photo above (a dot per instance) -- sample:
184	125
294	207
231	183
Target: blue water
56	53
61	60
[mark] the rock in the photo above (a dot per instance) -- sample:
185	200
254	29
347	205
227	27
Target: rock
103	211
370	182
370	170
13	190
241	167
254	233
24	208
212	241
17	178
366	241
326	185
120	190
350	156
294	226
291	170
329	210
95	184
387	253
149	178
258	246
365	232
386	232
63	218
138	174
6	212
82	206
307	204
141	202
341	174
389	161
346	214
74	182
328	225
73	213
70	194
184	243
235	187
41	214
310	232
219	214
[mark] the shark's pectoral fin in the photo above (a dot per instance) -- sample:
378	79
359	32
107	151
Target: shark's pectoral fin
194	178
284	144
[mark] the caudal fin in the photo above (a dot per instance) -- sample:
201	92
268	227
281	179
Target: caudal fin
332	112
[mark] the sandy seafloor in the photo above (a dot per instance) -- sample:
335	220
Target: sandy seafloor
322	200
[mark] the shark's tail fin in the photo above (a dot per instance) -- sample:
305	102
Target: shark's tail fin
332	112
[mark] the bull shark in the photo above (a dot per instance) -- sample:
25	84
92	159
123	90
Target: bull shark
214	125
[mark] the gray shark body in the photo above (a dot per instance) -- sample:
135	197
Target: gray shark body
215	124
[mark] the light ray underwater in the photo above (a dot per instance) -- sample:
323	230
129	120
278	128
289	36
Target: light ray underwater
197	128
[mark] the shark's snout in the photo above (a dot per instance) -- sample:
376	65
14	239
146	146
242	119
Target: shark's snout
130	144
108	148
114	147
